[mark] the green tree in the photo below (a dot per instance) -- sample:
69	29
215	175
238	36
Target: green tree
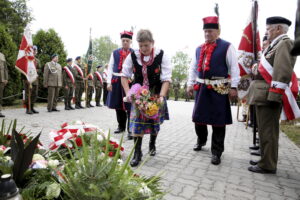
9	49
15	15
181	63
48	43
102	48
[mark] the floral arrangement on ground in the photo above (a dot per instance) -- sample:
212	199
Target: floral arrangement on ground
82	162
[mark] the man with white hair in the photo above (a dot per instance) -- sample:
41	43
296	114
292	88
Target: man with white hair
266	92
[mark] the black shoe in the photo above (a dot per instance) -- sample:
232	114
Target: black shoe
55	110
119	130
215	160
254	147
88	106
49	110
197	147
33	110
29	112
77	107
152	147
257	169
1	115
129	136
256	153
137	157
80	106
253	162
67	108
71	108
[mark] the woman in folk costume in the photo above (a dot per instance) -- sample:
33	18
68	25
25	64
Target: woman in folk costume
213	68
152	68
114	86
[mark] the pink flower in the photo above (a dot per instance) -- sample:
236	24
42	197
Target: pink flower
145	92
138	102
134	89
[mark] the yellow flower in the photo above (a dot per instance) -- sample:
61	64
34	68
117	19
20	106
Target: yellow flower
152	110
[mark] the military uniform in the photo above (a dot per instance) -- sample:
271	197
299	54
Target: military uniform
3	78
268	102
34	89
98	82
68	84
176	88
90	90
52	81
79	81
105	92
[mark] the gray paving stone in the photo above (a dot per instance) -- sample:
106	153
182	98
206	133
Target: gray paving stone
189	174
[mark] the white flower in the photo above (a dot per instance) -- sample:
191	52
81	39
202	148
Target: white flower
99	137
145	190
109	160
53	163
7	158
37	157
53	191
120	162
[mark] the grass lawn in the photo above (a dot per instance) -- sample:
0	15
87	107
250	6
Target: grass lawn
292	130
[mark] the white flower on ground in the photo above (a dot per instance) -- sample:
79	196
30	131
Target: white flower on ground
53	191
120	162
37	157
99	137
7	158
53	163
145	190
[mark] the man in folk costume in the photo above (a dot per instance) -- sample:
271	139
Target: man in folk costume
68	84
34	84
3	79
53	81
79	82
271	94
98	83
90	90
114	87
213	68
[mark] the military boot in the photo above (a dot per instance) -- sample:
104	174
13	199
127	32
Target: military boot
33	110
137	157
28	111
70	105
66	106
152	147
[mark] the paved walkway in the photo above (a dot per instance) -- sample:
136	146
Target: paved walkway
189	174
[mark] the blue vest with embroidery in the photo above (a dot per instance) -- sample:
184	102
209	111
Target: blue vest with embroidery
212	108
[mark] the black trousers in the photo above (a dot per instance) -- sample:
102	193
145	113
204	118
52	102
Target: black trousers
123	117
218	137
105	92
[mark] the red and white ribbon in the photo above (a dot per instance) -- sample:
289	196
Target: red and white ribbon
70	74
79	70
99	77
290	108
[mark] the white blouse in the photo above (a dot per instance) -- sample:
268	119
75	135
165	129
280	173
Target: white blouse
166	66
231	61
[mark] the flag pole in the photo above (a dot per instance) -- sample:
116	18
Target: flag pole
29	96
86	75
255	10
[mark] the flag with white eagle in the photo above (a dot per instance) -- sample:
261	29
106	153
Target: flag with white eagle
26	61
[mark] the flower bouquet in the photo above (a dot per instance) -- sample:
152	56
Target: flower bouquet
148	105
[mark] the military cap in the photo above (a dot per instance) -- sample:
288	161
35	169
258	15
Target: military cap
278	20
78	58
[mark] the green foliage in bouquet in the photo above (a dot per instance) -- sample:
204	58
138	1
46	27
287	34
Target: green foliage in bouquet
92	174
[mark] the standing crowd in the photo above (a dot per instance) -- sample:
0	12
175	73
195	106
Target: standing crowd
213	79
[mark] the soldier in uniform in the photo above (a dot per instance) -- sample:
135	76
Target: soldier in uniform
116	92
98	82
90	90
53	81
3	78
68	84
266	92
176	88
79	80
213	67
34	84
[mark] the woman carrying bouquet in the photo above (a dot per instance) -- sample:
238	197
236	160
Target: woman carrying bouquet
152	69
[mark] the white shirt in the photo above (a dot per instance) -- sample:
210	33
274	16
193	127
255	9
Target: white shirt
231	61
110	68
166	66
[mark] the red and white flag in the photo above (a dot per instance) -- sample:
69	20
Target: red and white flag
26	62
246	47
